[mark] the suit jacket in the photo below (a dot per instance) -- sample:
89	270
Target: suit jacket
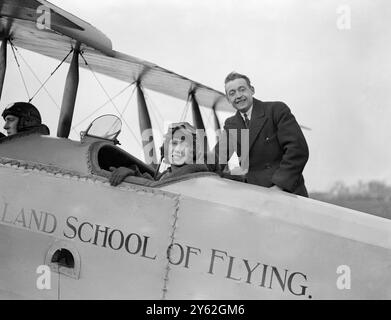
277	150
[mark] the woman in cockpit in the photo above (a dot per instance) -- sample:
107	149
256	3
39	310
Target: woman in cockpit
181	149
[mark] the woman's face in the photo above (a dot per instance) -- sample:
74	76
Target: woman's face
180	149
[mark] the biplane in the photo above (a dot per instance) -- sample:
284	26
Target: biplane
198	236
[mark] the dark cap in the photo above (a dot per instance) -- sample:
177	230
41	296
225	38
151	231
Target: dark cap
28	115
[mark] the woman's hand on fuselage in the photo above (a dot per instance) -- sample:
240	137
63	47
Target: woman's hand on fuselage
119	174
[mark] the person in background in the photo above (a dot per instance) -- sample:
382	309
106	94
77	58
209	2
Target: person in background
23	117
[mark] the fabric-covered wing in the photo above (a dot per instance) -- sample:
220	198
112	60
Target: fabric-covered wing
18	21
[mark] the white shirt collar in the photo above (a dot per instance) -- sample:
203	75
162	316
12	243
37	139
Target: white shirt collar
249	111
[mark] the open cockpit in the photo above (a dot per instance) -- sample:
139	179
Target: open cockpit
92	157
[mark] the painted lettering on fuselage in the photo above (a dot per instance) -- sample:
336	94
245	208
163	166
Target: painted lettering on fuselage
221	263
107	237
28	218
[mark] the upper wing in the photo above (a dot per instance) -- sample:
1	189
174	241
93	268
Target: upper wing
18	20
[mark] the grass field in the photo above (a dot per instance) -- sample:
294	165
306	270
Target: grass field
377	206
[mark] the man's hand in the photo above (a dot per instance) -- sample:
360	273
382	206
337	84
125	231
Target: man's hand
276	188
119	174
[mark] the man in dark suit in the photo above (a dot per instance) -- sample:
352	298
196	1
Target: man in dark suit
277	150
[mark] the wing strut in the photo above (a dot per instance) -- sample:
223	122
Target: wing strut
3	63
69	96
216	118
145	127
195	108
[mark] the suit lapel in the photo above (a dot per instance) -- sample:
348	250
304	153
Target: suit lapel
257	122
239	121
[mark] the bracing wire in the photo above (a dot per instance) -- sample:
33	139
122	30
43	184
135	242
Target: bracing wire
185	110
54	71
19	69
128	101
155	118
153	107
112	102
37	78
104	104
152	102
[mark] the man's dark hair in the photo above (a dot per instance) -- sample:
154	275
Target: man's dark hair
234	75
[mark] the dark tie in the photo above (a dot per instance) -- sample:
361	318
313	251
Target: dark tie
246	120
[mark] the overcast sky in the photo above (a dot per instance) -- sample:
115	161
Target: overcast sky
336	81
